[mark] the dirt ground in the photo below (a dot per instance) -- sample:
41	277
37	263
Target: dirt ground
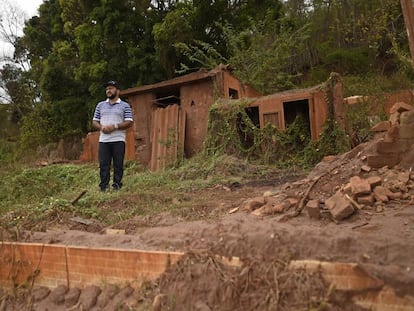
379	237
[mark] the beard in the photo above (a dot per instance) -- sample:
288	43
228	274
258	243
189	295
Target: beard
112	96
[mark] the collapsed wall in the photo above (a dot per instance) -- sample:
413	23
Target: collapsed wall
396	145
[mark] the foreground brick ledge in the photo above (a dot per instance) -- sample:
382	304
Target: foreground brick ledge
78	266
52	265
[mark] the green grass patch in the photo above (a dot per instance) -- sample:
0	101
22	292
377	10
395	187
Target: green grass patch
37	197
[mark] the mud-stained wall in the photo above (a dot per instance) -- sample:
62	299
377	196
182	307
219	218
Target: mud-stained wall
142	109
196	101
231	82
91	143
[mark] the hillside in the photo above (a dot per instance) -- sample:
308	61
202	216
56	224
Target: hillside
256	216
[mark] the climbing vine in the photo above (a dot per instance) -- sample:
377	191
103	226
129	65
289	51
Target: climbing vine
232	131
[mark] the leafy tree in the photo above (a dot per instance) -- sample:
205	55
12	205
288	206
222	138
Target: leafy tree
73	46
175	28
19	89
350	36
115	43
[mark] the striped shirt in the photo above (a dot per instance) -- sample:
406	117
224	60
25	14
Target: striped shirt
107	114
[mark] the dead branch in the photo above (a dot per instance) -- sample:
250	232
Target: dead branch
78	197
301	203
360	225
353	202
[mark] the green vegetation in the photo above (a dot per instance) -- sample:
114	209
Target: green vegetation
66	52
40	197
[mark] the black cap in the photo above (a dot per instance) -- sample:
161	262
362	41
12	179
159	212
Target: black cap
112	83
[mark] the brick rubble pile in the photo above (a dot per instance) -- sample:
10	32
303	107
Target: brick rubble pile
379	176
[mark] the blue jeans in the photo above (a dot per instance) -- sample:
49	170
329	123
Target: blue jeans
107	152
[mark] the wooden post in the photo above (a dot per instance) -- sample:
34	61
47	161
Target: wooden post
408	13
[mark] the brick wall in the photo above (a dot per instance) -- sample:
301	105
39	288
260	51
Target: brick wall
53	265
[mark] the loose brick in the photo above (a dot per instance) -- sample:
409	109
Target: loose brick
359	186
339	207
365	168
400	107
313	208
374	181
380	194
382	126
329	158
366	199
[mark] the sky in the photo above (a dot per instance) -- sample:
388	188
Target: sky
29	6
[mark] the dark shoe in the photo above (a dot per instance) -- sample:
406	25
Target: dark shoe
104	189
116	186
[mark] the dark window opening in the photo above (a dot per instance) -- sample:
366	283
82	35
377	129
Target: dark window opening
233	94
298	111
246	135
253	113
166	98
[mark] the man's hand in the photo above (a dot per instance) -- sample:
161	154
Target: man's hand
108	129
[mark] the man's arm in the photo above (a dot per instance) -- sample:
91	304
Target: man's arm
96	125
124	125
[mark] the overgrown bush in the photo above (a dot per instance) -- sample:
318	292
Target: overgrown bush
360	118
232	132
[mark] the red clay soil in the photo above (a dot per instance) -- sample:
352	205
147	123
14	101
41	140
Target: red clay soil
379	237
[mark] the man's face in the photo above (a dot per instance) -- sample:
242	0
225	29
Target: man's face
111	91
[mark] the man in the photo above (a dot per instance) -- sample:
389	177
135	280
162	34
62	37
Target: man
112	117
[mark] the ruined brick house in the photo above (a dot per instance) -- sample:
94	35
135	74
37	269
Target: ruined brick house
171	116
